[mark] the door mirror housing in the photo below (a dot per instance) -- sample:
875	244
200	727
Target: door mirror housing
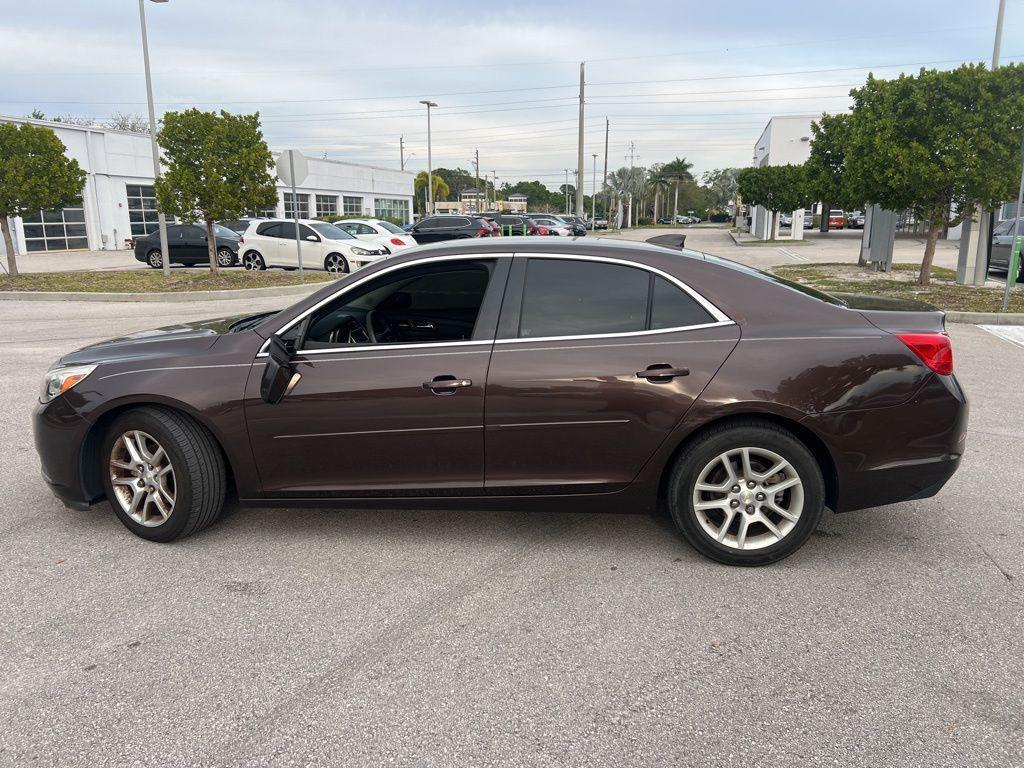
313	238
279	375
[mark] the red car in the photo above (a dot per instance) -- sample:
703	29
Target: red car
836	219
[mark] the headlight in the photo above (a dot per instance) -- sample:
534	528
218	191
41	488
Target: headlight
59	380
357	251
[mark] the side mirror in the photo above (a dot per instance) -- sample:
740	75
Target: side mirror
313	238
279	375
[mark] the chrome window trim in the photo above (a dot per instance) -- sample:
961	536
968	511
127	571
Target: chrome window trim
721	319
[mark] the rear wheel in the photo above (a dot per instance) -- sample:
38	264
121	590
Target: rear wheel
155	259
747	494
253	261
165	477
336	263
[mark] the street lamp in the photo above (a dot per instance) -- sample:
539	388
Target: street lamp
593	194
430	170
161	219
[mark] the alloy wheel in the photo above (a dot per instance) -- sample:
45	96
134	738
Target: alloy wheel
156	259
142	477
225	258
336	263
748	498
252	261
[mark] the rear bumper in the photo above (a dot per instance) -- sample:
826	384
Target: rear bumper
905	452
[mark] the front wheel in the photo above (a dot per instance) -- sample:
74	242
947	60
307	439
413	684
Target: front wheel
225	257
749	493
253	261
155	259
336	263
164	476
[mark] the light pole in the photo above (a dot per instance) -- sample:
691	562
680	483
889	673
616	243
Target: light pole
430	169
593	193
161	219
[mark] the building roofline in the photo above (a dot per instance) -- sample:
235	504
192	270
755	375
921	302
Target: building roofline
70	126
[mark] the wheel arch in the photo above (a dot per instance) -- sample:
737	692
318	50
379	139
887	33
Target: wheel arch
90	465
814	443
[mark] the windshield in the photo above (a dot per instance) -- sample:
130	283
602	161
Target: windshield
221	231
390	227
1005	227
330	231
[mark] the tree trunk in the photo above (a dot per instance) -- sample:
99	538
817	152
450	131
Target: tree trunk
929	254
12	259
211	245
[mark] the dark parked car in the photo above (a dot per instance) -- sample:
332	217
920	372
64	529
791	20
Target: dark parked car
434	229
517	224
594	375
187	244
579	226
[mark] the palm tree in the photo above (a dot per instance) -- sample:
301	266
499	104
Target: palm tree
441	189
659	183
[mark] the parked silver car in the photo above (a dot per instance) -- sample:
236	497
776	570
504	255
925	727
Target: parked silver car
1002	244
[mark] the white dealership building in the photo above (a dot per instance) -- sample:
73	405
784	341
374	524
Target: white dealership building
118	201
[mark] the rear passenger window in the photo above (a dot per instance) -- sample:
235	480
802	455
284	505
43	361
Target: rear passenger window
564	297
269	229
672	307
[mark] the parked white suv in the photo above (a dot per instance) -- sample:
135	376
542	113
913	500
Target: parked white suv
377	231
271	243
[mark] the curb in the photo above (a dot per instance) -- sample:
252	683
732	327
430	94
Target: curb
238	293
985	318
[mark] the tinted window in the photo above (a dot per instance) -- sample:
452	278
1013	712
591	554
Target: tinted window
576	298
390	227
331	231
269	229
672	307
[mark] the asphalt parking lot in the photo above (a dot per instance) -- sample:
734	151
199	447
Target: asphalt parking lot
333	637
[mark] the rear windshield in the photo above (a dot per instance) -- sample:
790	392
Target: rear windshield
807	290
390	227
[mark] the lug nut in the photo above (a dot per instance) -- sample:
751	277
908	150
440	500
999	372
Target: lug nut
751	483
759	496
734	503
735	489
750	509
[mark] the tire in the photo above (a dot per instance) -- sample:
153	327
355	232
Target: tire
766	445
253	261
226	257
337	264
195	485
155	259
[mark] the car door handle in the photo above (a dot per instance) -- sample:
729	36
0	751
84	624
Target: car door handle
661	373
446	385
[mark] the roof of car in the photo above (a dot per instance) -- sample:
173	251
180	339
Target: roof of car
595	246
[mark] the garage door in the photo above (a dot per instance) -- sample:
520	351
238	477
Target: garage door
60	230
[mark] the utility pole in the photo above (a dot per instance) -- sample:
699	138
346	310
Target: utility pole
401	152
579	149
604	178
165	251
476	165
593	192
632	154
430	166
494	178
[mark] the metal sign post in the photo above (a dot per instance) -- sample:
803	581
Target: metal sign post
1011	267
292	169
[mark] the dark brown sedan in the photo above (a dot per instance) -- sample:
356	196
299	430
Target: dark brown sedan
594	375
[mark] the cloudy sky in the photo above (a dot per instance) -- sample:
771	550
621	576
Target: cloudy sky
694	79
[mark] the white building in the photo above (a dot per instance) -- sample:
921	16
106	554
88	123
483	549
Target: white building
784	141
118	201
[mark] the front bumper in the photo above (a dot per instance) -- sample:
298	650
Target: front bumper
60	435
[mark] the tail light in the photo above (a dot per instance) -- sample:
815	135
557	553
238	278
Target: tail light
531	231
934	349
483	232
241	239
396	241
543	231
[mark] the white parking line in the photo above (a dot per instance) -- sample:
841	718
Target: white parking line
797	257
1011	333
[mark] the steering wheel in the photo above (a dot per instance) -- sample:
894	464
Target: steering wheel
385	334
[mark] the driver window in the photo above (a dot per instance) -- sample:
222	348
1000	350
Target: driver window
424	304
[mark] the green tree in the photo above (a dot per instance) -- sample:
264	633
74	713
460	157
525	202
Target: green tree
937	143
778	188
721	188
35	175
441	189
826	168
217	167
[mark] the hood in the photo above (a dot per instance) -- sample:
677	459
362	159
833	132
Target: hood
180	338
